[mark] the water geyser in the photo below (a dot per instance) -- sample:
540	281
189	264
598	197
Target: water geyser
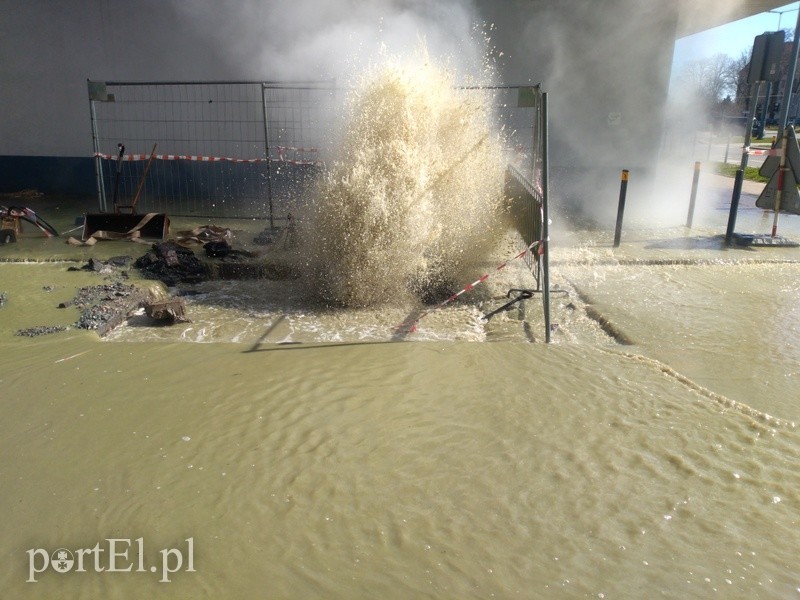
416	192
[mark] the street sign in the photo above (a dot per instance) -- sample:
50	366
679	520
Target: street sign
765	62
773	162
790	198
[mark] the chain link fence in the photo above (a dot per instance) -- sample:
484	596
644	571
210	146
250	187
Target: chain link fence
223	149
239	148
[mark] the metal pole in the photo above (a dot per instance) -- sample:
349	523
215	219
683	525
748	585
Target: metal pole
727	148
98	166
781	180
694	194
787	88
765	110
737	191
623	190
535	137
266	149
545	223
737	185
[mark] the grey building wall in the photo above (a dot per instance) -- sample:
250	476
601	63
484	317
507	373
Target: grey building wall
50	49
606	68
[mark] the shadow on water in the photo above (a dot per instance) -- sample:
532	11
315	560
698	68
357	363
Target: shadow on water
262	345
698	242
282	346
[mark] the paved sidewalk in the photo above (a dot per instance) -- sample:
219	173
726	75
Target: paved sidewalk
723	182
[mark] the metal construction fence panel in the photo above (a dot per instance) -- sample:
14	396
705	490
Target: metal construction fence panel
527	208
520	115
526	175
227	149
245	149
527	185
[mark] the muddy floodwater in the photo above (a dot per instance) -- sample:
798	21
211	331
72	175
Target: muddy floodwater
272	448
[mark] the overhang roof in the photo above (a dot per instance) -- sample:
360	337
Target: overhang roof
696	16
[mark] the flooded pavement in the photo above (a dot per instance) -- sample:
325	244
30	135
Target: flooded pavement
311	452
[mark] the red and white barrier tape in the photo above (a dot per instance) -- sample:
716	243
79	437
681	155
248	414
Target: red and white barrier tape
194	158
771	152
412	325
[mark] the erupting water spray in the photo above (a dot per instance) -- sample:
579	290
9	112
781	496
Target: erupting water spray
416	192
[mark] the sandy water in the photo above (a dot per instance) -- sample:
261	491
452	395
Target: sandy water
350	465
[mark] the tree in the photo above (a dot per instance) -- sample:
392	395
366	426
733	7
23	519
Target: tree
741	89
710	80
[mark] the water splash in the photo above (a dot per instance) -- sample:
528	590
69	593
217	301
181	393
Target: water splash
416	192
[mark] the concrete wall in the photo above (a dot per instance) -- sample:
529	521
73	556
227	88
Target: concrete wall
50	49
606	69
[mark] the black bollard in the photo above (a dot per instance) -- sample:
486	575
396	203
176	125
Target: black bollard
693	197
737	192
623	189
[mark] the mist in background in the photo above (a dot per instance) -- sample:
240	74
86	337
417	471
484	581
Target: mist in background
324	39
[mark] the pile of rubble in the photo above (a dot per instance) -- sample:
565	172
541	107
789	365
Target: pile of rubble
40	330
172	264
103	307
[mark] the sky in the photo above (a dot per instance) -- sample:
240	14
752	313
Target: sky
734	38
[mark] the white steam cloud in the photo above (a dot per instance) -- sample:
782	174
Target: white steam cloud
324	39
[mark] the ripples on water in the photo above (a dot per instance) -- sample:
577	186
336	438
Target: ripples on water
399	470
435	470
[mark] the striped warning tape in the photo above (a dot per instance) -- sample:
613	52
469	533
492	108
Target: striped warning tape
771	152
195	158
411	326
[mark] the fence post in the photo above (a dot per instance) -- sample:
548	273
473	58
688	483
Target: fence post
545	223
623	189
737	183
693	196
98	166
266	149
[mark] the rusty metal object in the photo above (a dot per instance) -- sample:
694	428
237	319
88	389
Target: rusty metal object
171	310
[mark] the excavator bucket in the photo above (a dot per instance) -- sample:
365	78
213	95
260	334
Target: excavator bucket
108	226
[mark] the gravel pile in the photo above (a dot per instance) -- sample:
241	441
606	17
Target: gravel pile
172	264
105	306
40	330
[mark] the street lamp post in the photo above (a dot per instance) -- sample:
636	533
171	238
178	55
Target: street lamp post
787	88
780	14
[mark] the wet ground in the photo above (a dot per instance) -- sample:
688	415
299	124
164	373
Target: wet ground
308	452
